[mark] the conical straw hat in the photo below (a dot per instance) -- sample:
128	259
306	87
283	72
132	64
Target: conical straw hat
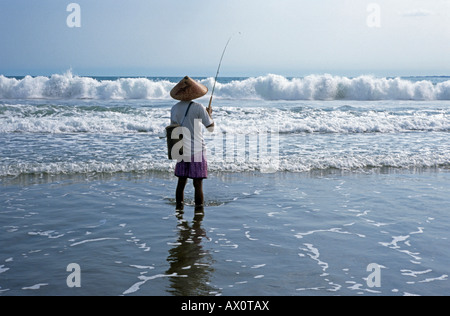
188	89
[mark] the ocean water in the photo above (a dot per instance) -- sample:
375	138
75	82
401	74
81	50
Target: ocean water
311	180
321	122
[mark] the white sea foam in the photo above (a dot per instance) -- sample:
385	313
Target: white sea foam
71	119
3	269
136	287
68	86
35	287
23	118
91	240
303	158
328	87
269	87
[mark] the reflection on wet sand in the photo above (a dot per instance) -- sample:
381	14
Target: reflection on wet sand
188	258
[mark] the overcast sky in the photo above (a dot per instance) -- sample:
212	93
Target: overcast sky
179	37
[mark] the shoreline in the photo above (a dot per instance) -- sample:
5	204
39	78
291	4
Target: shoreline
43	178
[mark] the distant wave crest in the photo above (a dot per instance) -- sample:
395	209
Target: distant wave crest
328	87
270	87
68	86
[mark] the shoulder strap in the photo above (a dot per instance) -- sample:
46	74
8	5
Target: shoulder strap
187	111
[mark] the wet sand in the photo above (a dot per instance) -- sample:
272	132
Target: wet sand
260	234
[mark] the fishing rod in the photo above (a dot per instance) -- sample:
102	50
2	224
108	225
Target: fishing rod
218	70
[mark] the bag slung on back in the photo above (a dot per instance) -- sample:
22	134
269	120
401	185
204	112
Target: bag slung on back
171	141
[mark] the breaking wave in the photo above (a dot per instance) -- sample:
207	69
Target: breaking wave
68	86
270	87
58	119
287	163
60	133
327	87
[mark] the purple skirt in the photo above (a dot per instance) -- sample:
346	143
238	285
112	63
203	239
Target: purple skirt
195	169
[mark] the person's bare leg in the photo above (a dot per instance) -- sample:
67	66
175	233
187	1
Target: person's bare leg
180	193
199	199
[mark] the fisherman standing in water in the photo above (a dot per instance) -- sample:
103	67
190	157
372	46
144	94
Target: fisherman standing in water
191	115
